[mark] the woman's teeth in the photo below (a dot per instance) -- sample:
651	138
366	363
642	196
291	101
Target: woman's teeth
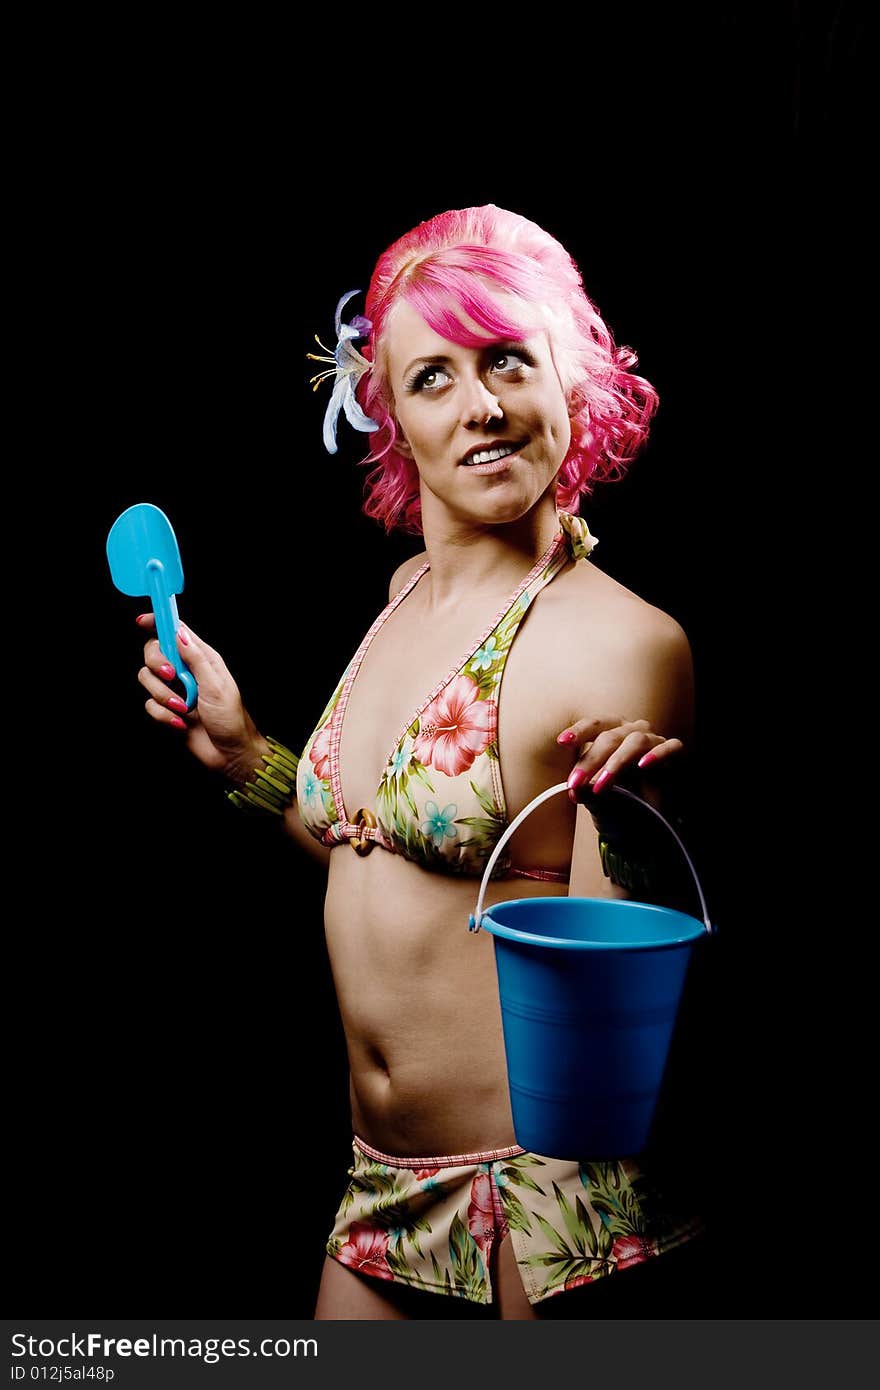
490	455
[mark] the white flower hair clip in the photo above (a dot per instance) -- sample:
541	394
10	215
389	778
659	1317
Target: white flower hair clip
348	366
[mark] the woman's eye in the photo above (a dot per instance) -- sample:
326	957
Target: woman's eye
424	378
509	360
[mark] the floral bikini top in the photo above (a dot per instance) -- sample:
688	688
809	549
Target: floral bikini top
440	802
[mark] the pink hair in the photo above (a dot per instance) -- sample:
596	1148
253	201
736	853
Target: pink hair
456	258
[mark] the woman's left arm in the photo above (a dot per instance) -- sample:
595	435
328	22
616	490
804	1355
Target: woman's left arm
653	686
644	739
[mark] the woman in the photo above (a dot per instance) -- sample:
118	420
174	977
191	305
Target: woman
495	396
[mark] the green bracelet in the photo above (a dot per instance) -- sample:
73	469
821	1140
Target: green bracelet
639	859
636	877
272	789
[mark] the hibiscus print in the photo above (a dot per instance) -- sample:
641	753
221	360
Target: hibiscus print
631	1250
366	1250
483	1223
319	754
456	728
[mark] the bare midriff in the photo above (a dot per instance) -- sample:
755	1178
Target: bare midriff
418	996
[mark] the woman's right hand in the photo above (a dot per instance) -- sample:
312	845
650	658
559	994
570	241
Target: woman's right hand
218	729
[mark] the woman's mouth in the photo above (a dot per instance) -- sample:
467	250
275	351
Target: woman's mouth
493	460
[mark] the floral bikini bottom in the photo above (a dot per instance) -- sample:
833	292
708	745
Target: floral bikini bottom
431	1222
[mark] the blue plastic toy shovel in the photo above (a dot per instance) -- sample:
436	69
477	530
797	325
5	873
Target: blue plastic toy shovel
145	561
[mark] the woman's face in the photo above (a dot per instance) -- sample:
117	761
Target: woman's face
450	400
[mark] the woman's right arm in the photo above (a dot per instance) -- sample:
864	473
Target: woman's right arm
217	731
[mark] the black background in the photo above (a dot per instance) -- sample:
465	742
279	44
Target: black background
179	1123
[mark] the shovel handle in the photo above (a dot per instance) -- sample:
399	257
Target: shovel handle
476	918
167	622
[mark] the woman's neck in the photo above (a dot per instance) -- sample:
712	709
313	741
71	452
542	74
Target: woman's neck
468	558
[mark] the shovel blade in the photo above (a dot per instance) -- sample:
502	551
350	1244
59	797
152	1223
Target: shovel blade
142	534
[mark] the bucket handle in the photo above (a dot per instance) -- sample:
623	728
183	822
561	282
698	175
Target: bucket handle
476	918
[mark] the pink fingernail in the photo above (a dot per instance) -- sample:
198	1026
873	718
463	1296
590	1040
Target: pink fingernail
567	737
576	778
600	780
183	635
166	669
141	615
173	702
178	723
648	758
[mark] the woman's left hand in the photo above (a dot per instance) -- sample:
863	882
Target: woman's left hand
607	747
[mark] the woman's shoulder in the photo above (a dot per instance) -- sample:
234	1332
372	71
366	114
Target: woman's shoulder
624	653
593	602
404	573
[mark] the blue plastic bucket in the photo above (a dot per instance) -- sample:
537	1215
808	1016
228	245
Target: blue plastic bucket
589	991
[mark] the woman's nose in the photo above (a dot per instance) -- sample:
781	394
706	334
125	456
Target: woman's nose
479	405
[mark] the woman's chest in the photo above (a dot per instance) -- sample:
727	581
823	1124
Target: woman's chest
407	668
502	690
